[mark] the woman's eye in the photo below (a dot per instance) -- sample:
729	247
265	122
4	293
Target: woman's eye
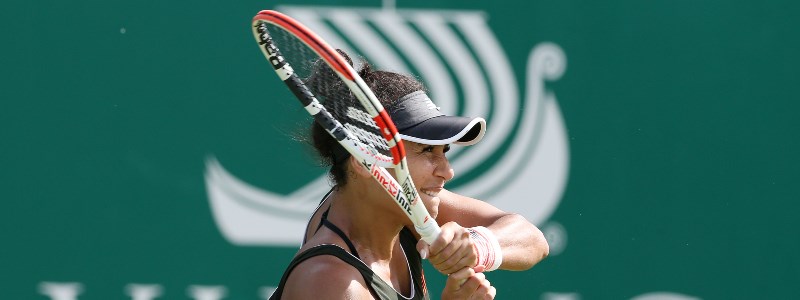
427	149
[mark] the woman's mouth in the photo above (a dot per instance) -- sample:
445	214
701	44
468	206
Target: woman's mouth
432	193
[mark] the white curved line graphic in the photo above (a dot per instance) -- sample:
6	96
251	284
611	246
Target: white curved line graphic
301	200
504	89
370	43
248	215
424	59
312	20
466	70
507	182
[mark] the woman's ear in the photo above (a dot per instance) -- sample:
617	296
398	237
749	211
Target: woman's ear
356	169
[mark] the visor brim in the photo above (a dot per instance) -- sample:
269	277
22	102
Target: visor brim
445	130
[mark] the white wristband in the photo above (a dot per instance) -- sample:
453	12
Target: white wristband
489	253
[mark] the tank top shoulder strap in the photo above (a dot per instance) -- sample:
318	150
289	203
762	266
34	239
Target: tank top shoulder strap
323	221
308	224
340	233
409	244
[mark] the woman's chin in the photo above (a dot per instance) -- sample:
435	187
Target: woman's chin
432	205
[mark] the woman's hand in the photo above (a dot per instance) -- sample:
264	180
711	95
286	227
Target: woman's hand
452	251
468	283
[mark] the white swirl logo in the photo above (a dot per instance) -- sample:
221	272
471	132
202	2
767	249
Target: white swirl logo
522	163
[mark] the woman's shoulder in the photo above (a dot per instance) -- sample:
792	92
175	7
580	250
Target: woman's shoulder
325	275
325	261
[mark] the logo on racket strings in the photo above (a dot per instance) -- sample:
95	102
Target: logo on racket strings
365	136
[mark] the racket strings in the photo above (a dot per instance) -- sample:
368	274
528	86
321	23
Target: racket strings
330	90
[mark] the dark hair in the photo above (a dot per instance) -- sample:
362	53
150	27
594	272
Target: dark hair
387	87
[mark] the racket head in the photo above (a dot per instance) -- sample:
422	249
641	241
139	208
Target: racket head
298	54
342	103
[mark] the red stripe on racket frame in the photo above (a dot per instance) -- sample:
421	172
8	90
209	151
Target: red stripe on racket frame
388	130
309	38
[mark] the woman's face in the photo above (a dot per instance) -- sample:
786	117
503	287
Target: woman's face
429	170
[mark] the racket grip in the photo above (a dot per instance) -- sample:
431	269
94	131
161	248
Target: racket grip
429	232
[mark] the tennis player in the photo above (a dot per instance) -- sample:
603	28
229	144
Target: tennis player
360	245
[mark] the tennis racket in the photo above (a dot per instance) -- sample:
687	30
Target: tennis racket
339	100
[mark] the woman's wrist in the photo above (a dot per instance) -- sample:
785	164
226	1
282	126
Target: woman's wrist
490	255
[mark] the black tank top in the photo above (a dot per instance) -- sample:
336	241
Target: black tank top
379	288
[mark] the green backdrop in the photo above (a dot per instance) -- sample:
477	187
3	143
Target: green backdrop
682	147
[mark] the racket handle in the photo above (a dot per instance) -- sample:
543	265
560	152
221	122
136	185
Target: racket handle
428	231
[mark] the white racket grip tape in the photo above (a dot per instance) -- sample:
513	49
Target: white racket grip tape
429	231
